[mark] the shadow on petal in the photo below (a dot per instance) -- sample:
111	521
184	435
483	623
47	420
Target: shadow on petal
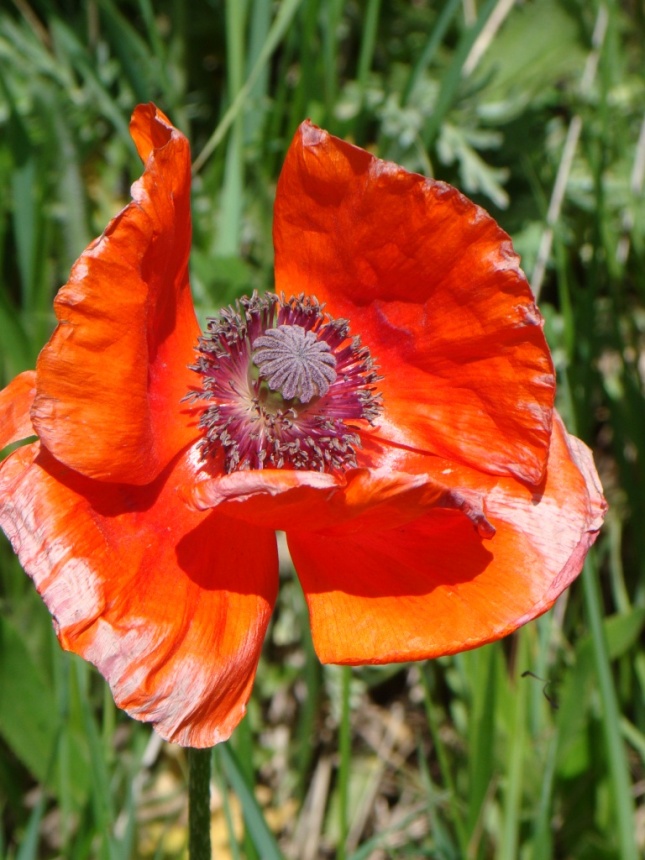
404	594
441	550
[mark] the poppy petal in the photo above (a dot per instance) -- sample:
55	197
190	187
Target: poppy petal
15	402
433	586
170	605
112	377
432	286
313	501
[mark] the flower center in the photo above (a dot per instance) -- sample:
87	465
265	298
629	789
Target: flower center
281	380
295	362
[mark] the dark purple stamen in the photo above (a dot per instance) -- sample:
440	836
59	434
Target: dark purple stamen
281	379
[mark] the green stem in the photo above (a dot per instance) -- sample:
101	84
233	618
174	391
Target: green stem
199	815
344	743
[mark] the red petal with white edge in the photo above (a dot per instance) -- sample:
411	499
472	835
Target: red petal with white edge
433	586
15	402
170	605
432	286
112	377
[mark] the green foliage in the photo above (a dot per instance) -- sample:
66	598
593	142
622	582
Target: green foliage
463	757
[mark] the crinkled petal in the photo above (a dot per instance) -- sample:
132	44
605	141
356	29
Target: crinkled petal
434	585
432	286
313	501
112	377
15	402
171	605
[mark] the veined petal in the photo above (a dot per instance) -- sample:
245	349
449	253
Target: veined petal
15	402
111	379
432	286
434	586
358	500
170	605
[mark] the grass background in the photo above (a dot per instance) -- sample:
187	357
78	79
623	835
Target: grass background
535	110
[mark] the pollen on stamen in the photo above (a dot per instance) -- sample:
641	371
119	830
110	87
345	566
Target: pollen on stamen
281	379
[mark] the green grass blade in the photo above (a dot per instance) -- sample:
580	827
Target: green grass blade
260	24
444	762
134	54
17	353
434	41
231	200
542	837
330	24
516	744
452	78
368	42
278	29
233	846
262	837
29	848
622	799
481	731
244	749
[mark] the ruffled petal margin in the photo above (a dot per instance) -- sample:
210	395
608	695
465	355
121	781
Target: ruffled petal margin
431	284
359	500
434	586
112	377
15	403
170	605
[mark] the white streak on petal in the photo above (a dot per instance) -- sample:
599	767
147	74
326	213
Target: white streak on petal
67	584
74	593
123	656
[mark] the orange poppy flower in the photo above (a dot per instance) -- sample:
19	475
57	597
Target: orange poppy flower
403	437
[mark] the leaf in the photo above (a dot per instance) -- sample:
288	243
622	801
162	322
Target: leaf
623	630
28	712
